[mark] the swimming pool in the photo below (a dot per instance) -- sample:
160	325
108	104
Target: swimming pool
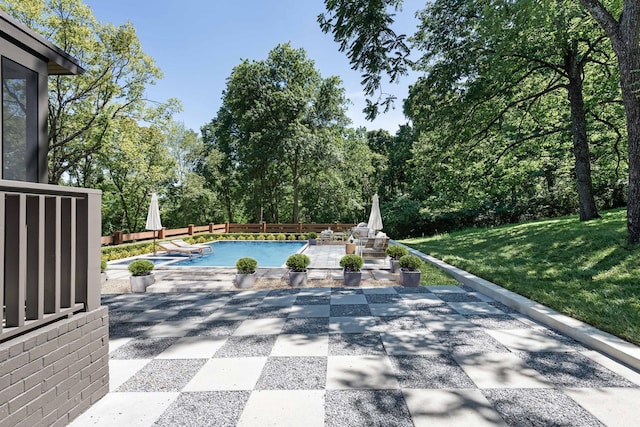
226	253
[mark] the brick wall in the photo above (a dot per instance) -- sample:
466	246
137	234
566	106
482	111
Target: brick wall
51	375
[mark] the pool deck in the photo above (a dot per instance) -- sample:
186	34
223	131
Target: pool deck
336	356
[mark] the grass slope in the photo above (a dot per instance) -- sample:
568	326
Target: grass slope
584	270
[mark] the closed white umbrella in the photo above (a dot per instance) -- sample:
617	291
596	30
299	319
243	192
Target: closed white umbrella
375	219
153	218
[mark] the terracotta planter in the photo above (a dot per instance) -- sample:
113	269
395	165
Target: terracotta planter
140	284
297	278
350	248
395	265
245	281
410	278
352	278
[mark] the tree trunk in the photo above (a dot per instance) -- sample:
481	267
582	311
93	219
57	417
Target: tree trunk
625	36
296	197
586	201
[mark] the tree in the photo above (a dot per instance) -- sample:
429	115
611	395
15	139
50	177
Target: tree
624	34
82	109
275	122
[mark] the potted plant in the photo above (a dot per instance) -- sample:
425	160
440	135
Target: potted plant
410	270
141	275
395	252
298	264
312	236
352	264
246	275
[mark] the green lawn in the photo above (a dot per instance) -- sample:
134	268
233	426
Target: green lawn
585	270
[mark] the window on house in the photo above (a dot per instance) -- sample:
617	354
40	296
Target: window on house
19	122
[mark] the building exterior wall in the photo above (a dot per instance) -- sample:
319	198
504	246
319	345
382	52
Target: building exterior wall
51	375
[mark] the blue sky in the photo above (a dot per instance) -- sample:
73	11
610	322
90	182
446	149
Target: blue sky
197	43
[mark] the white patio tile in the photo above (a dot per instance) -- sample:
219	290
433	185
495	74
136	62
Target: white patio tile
282	408
116	343
500	370
279	301
474	308
125	409
450	408
121	370
193	348
612	406
528	340
360	372
232	373
614	366
389	309
338	299
174	328
301	345
267	326
446	322
317	310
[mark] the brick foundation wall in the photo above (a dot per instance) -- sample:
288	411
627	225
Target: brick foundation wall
51	375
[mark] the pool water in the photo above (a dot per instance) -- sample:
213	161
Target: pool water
226	253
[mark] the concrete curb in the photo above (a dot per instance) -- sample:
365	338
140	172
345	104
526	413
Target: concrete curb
604	342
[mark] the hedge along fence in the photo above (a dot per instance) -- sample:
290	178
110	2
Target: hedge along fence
115	252
119	237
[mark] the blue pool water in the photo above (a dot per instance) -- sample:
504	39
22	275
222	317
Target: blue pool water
226	253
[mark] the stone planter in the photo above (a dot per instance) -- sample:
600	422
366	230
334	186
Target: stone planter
350	248
410	278
140	284
395	265
245	281
352	278
313	242
297	278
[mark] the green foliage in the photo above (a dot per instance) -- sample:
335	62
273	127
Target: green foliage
241	238
281	236
141	267
352	262
246	265
312	235
250	237
260	237
396	251
111	253
103	266
271	237
410	262
585	270
292	237
298	262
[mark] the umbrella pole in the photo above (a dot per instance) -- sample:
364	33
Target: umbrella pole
154	242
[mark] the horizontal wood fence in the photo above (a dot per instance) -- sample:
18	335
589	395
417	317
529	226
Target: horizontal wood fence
119	237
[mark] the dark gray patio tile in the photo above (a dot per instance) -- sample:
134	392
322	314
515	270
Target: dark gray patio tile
413	290
215	408
306	325
343	310
366	408
382	298
193	314
247	346
215	328
313	300
467	288
457	297
355	344
293	373
395	323
496	321
433	309
142	348
429	371
467	342
163	375
539	408
122	316
245	302
503	307
176	305
129	329
273	311
573	369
